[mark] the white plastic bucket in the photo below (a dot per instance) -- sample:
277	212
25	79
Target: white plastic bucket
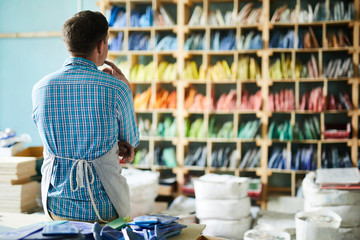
257	234
317	225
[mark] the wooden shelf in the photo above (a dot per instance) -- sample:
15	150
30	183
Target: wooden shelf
265	84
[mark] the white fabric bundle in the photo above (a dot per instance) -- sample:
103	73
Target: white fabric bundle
222	205
213	186
229	209
143	186
345	203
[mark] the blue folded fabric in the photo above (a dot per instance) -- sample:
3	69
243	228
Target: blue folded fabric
116	43
304	159
196	41
167	43
139	41
141	20
278	158
117	17
223	42
279	40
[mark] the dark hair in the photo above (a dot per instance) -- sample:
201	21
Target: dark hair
83	31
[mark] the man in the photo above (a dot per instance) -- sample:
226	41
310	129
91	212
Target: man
83	116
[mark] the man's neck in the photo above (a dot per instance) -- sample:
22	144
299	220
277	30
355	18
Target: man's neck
91	58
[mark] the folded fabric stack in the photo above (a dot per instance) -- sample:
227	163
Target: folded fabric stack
221	130
143	189
249	15
280	68
143	73
191	71
339	103
195	101
252	40
52	230
247	69
167	71
218	72
307	129
337	130
278	158
223	41
139	41
283	101
281	40
142	100
337	39
284	14
165	157
155	226
198	17
308	70
116	44
142	157
310	15
124	66
220	157
304	158
165	99
225	101
251	102
196	157
196	41
335	157
141	20
117	17
281	131
167	128
315	101
308	39
163	18
251	158
216	18
169	42
145	127
250	129
222	205
196	129
339	12
338	68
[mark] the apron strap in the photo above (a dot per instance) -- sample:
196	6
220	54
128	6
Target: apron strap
83	168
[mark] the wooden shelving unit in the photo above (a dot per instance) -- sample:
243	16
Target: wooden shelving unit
181	56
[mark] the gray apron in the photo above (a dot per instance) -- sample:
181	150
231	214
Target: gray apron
108	169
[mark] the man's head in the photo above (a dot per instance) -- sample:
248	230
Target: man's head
85	35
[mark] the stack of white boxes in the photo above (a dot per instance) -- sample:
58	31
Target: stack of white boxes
345	203
222	205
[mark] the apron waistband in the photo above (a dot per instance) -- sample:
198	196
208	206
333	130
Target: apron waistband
82	168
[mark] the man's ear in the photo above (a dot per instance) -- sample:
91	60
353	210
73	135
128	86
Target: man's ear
100	46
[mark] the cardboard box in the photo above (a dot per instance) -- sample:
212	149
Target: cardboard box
31	152
203	237
165	190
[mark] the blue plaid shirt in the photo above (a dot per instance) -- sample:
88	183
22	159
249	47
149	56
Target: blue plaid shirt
81	113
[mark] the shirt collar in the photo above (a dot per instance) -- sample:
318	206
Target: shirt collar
79	62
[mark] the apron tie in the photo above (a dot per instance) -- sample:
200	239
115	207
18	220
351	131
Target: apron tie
83	168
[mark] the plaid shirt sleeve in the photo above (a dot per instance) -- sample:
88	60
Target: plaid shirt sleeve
128	130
